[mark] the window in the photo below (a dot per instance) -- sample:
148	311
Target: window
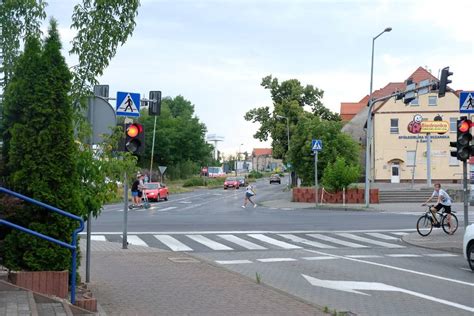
411	157
453	161
453	124
414	102
393	126
433	100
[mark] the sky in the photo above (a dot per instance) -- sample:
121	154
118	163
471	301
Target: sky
216	52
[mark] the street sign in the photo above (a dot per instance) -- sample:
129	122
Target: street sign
466	102
317	145
128	104
163	169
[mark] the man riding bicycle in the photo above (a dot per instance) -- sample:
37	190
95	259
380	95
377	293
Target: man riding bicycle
443	201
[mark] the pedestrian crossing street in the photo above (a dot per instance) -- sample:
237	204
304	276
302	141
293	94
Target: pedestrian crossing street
241	241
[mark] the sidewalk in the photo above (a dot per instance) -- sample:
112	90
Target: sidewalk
149	281
437	240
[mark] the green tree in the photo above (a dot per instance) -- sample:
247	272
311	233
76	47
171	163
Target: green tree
339	175
18	19
42	156
180	142
335	144
289	98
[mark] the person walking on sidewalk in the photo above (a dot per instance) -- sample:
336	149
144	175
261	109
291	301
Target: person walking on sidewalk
249	192
443	201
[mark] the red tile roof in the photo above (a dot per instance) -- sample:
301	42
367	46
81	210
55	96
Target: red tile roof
350	109
261	152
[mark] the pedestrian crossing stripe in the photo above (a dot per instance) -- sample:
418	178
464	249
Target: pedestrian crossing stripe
231	242
128	104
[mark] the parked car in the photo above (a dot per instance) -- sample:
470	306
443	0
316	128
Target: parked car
231	182
156	191
274	178
242	181
468	245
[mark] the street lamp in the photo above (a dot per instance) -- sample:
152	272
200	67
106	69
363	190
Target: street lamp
369	124
238	159
288	137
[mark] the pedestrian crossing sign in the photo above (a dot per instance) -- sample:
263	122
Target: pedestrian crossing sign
317	145
128	104
466	102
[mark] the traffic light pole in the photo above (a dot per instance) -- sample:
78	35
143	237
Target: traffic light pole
152	151
125	211
465	192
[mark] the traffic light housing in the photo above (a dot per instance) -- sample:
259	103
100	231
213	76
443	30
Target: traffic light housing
444	81
463	140
134	139
154	107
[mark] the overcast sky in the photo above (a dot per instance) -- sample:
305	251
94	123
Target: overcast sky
215	52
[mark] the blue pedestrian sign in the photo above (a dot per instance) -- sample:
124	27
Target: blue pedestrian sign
317	145
128	104
466	102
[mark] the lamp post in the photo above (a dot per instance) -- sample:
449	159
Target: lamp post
238	159
369	124
288	137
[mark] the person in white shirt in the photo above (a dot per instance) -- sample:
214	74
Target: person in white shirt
443	201
249	192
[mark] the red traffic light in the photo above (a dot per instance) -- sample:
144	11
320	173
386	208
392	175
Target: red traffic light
464	126
134	129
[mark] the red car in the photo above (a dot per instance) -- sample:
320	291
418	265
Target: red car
156	191
231	182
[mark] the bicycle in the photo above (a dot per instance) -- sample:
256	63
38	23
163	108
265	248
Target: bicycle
425	223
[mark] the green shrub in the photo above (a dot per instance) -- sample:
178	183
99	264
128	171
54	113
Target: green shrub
195	182
255	175
339	175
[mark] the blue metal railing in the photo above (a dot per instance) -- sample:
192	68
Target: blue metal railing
72	246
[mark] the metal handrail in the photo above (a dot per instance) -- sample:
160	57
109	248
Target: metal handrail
72	246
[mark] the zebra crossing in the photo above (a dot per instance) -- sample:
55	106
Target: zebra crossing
205	242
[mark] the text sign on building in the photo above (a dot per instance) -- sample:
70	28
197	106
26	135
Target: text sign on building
429	127
466	102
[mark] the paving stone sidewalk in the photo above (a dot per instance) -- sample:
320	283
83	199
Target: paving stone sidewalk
148	281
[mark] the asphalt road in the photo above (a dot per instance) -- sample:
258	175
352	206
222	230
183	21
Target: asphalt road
348	261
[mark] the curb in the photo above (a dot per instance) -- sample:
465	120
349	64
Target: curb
324	207
448	249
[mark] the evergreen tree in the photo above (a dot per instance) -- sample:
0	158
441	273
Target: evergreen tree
42	155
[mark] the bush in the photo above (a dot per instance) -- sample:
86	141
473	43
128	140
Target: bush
203	182
255	175
339	175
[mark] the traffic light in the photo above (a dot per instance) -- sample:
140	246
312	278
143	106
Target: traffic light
134	138
444	81
463	141
154	107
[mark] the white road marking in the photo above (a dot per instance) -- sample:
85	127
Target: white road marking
369	241
403	255
353	286
98	237
242	242
392	231
276	259
400	233
318	258
392	267
364	256
214	245
337	241
441	255
185	202
233	261
273	241
172	243
135	240
382	236
306	241
167	209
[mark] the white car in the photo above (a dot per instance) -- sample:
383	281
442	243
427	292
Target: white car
468	245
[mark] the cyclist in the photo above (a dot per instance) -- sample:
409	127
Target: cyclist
443	201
